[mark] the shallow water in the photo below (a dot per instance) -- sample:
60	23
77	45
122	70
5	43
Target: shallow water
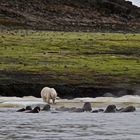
69	126
66	125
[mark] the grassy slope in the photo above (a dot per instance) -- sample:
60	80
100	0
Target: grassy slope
95	59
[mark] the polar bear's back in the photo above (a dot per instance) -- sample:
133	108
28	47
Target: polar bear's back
45	91
53	93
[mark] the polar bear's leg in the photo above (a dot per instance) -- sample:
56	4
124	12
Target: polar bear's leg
48	100
48	97
44	99
53	101
53	95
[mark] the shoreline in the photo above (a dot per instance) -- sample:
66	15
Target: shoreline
98	102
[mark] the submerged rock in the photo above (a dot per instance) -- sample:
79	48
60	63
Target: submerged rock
72	109
97	110
110	109
62	109
77	110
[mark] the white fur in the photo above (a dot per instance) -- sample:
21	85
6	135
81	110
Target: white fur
47	94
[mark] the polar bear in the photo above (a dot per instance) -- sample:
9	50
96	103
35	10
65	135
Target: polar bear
47	94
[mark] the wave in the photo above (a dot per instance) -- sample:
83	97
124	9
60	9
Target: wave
20	102
97	102
123	99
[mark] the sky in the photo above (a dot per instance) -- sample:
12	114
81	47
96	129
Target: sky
136	2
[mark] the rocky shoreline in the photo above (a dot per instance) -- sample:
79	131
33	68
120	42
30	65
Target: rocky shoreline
21	84
64	91
87	107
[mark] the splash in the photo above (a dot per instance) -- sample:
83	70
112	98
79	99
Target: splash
77	102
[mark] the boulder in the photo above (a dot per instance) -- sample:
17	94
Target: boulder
110	109
128	109
87	106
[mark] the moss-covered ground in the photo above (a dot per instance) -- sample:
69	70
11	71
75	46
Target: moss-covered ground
95	59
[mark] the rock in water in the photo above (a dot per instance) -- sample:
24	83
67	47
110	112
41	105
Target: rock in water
35	110
25	109
128	109
87	106
28	108
21	110
110	109
95	111
46	107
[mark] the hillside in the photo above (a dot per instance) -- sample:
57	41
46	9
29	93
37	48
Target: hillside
39	47
77	64
70	15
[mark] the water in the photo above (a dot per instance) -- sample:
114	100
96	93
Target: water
66	125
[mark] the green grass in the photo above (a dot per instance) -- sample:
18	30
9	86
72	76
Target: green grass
91	58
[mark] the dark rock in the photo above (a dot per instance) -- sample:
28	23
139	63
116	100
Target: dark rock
33	89
101	110
28	108
87	106
110	109
128	109
46	107
95	111
21	110
35	110
25	109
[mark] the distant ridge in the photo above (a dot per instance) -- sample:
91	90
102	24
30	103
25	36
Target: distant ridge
70	15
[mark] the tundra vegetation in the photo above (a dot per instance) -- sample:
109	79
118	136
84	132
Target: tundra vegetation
93	59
